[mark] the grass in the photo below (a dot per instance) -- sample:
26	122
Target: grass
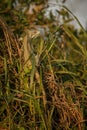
51	93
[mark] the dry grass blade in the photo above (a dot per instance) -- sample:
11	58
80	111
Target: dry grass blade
11	43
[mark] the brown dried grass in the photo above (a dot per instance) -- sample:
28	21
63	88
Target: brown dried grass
67	113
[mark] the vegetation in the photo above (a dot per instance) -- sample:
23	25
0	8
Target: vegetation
51	93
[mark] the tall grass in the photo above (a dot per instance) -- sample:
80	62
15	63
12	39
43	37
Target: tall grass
57	101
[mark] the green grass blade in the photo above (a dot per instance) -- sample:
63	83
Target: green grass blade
74	17
74	39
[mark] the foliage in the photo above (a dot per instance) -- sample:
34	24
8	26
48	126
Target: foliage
57	101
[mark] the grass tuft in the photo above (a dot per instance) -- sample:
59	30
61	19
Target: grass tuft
45	87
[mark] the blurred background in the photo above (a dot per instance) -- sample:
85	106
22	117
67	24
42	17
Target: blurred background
78	8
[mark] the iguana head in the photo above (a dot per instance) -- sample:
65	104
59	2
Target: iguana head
33	33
